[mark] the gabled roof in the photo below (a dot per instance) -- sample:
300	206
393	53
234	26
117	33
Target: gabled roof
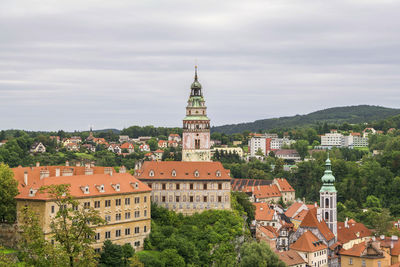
183	170
291	258
284	185
366	249
293	209
126	146
264	191
300	217
395	251
310	220
269	231
263	212
353	231
308	242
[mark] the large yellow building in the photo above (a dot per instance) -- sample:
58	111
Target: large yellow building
122	200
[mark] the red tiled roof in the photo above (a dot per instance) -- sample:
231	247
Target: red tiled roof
310	220
77	180
354	231
308	242
395	251
293	209
269	231
159	151
126	146
183	170
284	185
263	212
300	216
264	191
291	258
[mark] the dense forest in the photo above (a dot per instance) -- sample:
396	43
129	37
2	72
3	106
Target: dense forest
337	115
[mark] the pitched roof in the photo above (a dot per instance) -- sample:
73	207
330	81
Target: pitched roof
77	181
308	242
291	258
300	216
269	231
363	249
264	191
284	185
183	170
263	212
293	209
353	231
126	146
310	220
395	251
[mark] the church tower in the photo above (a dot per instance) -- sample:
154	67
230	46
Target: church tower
327	202
196	126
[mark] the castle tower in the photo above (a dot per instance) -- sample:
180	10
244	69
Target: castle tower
196	126
327	195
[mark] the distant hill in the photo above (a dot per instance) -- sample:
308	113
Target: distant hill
350	114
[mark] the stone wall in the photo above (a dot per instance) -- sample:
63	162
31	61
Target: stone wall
8	235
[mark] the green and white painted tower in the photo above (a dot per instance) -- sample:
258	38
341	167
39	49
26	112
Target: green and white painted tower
328	198
196	126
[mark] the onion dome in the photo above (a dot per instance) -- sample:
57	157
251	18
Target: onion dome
196	86
328	179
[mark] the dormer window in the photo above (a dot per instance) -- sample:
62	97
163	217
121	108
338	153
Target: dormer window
196	174
173	173
151	173
218	174
116	187
85	189
100	188
135	185
32	192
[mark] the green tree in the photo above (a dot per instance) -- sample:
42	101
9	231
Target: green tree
171	258
245	204
258	254
153	144
8	191
116	255
301	147
72	225
33	249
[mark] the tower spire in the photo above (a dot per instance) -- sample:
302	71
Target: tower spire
195	73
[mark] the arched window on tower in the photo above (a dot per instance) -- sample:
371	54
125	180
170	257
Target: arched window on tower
326	202
326	216
197	144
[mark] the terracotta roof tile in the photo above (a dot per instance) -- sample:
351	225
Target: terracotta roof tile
264	191
78	180
308	242
284	185
310	220
300	216
354	231
269	231
291	258
263	212
293	209
183	170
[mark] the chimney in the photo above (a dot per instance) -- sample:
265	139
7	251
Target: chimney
88	171
78	164
37	164
57	172
67	163
304	200
67	172
346	223
44	173
26	177
122	169
108	170
382	237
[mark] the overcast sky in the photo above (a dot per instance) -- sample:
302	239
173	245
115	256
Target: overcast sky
113	64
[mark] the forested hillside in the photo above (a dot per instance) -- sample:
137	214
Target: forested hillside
337	115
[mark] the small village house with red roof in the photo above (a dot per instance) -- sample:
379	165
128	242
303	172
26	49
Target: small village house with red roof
267	234
266	216
174	137
72	146
162	144
37	147
121	199
144	148
158	154
115	148
287	191
128	146
173	143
